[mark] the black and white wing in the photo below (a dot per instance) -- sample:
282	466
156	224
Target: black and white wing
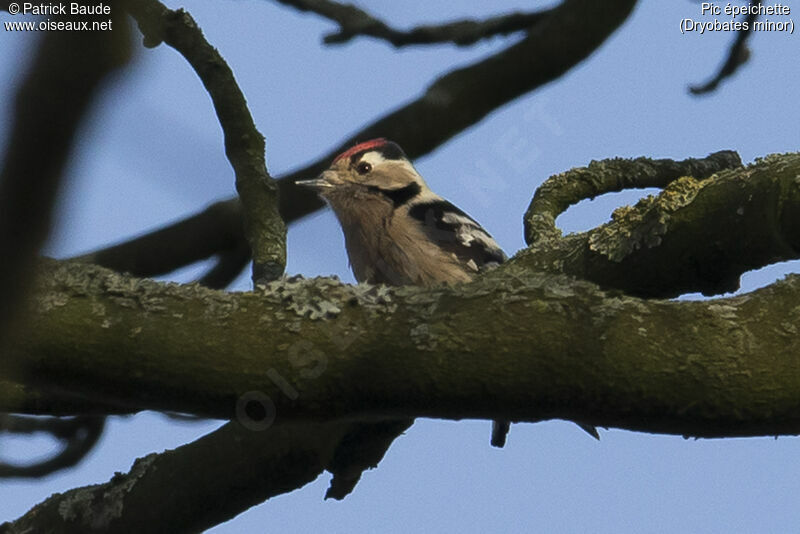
456	232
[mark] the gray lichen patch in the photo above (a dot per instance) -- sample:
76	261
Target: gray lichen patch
631	230
106	291
46	302
97	506
778	162
423	337
643	225
323	298
60	281
612	307
378	296
724	311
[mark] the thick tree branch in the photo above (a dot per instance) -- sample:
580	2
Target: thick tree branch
302	348
299	341
354	21
50	105
244	145
718	368
217	229
15	397
461	98
453	103
708	368
241	468
697	235
563	190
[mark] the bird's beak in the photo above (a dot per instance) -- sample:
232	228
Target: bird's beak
319	184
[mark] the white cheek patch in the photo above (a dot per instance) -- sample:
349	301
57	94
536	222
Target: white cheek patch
406	166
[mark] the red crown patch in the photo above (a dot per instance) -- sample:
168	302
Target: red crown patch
366	145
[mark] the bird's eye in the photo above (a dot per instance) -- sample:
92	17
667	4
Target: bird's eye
363	168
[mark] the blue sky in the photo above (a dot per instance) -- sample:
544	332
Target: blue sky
153	153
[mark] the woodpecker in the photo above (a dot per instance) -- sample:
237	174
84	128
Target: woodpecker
399	232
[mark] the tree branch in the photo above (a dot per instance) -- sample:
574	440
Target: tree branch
217	229
450	105
18	398
306	344
354	21
561	191
50	105
744	216
300	349
738	55
709	369
229	264
78	434
461	98
244	144
241	468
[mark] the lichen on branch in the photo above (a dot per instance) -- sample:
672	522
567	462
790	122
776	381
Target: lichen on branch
599	357
705	229
244	144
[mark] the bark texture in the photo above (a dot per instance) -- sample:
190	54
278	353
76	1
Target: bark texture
524	347
516	343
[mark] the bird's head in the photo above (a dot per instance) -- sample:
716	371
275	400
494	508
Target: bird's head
375	167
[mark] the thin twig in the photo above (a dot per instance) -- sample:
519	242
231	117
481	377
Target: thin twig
79	435
354	21
240	468
244	145
738	55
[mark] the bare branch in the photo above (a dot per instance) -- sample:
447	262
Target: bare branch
229	264
462	97
738	55
450	105
244	145
354	21
217	229
561	191
79	434
744	216
196	329
700	379
50	105
241	468
17	398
